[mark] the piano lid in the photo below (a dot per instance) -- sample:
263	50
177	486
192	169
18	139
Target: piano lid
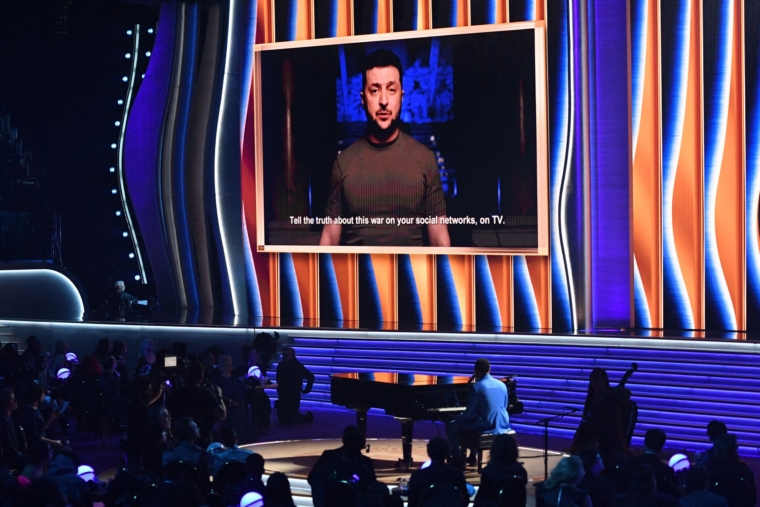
407	379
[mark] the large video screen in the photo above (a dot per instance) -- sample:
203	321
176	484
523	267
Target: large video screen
431	142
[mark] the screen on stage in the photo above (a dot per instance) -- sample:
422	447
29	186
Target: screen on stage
431	142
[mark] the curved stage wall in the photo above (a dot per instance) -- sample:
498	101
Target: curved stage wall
681	384
653	193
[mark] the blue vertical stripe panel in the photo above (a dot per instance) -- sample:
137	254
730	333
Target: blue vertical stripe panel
483	12
329	296
526	306
444	13
449	313
247	72
285	19
641	308
560	139
365	16
409	307
187	78
252	283
718	40
674	44
326	19
370	309
752	91
290	296
611	276
142	153
486	302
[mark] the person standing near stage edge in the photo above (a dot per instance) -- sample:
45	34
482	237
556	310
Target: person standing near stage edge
385	174
291	375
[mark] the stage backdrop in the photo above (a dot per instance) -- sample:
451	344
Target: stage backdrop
653	173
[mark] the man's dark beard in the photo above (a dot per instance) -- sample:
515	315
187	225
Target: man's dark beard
382	134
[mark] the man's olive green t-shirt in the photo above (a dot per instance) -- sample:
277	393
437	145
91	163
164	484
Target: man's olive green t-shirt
394	181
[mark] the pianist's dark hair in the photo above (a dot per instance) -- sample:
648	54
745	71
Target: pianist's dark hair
482	365
438	449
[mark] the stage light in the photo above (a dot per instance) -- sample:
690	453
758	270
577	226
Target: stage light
72	358
147	53
143	76
679	462
120	102
150	30
137	277
131	256
111	169
86	473
254	371
114	191
63	374
125	234
426	464
252	499
129	32
113	146
118	213
125	79
128	56
117	123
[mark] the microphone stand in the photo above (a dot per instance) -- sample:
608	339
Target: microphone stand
546	422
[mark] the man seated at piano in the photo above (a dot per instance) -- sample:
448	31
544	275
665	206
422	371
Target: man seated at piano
486	411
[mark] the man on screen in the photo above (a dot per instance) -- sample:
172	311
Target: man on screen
385	188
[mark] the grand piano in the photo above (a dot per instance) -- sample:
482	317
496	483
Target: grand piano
408	397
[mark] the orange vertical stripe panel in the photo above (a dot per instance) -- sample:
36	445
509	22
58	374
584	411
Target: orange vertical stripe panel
502	11
307	274
385	276
501	273
346	274
463	12
264	22
345	18
729	209
463	272
384	16
424	14
647	178
304	20
540	11
538	268
423	267
688	194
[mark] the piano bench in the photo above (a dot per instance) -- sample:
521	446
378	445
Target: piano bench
478	442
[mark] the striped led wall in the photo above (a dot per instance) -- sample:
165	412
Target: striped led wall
653	173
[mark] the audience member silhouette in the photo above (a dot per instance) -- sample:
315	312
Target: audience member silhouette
340	494
116	406
203	404
233	393
437	473
561	488
186	434
601	490
63	470
714	430
345	464
278	491
654	441
643	490
11	454
696	493
730	477
254	470
502	467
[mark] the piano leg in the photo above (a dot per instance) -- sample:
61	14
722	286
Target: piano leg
407	427
361	421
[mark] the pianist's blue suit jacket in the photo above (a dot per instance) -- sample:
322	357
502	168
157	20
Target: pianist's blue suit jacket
486	407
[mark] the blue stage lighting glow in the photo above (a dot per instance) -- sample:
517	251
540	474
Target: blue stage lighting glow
137	277
117	123
131	256
86	473
113	146
129	32
143	76
113	191
120	102
125	79
128	56
150	30
63	374
111	169
147	53
71	357
125	234
118	213
252	499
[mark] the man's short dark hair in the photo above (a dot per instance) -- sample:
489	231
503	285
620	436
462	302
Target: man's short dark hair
482	365
716	429
352	438
229	436
182	428
438	449
655	440
382	58
195	373
254	465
